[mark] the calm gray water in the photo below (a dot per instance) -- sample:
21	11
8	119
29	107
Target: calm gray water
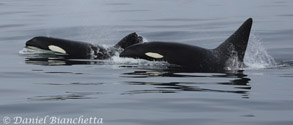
137	92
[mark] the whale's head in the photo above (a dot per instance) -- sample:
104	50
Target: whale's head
146	50
40	42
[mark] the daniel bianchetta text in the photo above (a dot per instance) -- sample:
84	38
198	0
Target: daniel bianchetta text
54	120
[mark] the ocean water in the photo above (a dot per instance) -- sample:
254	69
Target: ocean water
123	91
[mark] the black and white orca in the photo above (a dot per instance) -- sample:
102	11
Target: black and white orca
196	58
81	50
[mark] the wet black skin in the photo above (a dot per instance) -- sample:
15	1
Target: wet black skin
83	50
193	57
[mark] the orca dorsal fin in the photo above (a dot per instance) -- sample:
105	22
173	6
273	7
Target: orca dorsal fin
237	42
129	40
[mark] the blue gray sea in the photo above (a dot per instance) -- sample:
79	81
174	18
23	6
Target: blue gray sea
122	91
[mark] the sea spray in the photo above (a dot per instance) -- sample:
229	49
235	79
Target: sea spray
256	56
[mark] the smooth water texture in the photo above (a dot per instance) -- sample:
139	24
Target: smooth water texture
138	92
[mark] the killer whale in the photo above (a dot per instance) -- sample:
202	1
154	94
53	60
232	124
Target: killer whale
230	52
81	50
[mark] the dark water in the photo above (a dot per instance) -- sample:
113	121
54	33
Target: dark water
137	92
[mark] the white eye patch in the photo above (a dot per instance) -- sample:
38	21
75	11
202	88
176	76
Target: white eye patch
154	55
56	49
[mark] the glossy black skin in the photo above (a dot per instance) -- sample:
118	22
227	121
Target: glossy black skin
193	57
74	49
185	55
83	50
129	40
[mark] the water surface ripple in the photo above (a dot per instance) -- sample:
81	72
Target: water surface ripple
138	92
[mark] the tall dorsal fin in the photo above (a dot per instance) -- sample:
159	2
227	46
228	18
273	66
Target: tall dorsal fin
237	42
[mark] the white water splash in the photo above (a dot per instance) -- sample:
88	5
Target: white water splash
233	63
144	39
131	61
256	56
34	50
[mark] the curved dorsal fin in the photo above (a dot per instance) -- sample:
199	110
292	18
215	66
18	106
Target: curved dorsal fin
129	40
237	42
